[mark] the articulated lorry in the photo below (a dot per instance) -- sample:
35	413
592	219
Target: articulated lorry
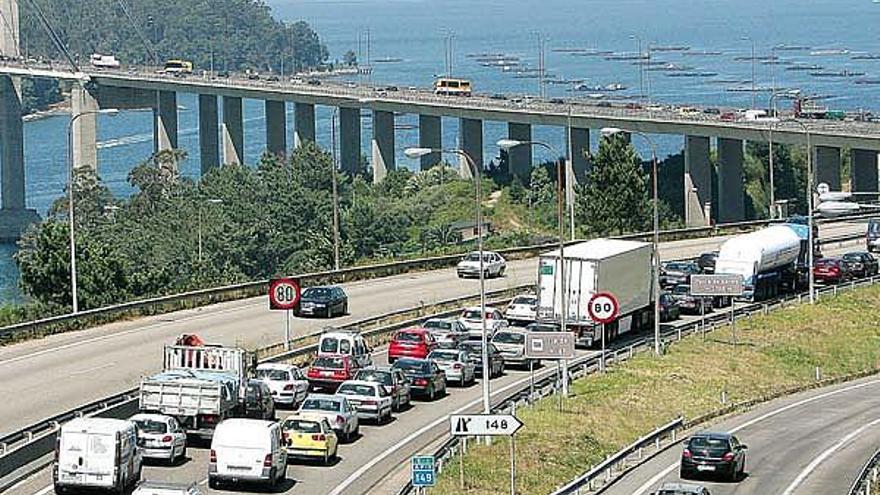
622	268
200	385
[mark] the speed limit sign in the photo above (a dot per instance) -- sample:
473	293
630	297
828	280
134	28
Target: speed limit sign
603	307
283	293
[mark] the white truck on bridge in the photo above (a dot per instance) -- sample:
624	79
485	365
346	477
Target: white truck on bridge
622	268
104	61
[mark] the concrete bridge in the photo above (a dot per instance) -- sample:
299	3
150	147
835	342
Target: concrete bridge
221	131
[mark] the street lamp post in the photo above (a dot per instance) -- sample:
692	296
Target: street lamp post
414	153
561	176
199	228
772	173
640	66
750	39
610	131
335	190
70	206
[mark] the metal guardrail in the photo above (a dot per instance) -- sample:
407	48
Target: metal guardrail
868	475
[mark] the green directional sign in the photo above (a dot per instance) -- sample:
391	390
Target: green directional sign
547	269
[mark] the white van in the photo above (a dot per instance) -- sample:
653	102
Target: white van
346	343
96	453
247	450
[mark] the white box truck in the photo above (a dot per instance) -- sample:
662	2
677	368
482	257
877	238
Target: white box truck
622	268
200	386
104	61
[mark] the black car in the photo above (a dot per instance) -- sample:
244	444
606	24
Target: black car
475	354
688	303
272	78
314	82
673	273
223	73
322	301
425	377
706	262
711	111
391	88
258	402
669	309
862	264
557	101
498	96
719	454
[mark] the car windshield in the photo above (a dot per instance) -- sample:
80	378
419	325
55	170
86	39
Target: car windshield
476	257
336	363
874	227
410	365
357	389
509	338
852	257
712	445
318	292
151	426
302	426
382	377
826	263
443	356
332	345
408	337
678	267
526	300
439	324
321	404
471	314
473	347
274	375
682	290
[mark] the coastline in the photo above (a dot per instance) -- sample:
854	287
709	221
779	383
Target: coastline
55	109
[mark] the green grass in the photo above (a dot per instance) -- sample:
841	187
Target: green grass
774	353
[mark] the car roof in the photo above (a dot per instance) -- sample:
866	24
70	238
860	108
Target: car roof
97	425
359	382
152	416
306	415
325	396
712	434
419	330
412	360
683	487
449	320
277	366
166	485
477	308
323	287
510	330
382	369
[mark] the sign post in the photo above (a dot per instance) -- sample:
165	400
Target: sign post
284	294
603	309
423	472
547	345
491	425
719	285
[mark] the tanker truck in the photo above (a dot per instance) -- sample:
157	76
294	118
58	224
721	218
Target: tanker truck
767	259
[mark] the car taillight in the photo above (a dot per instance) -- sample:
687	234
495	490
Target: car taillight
319	438
267	462
288	387
420	381
727	457
686	454
457	366
213	455
209	419
313	373
166	439
489	316
340	374
370	402
340	419
284	436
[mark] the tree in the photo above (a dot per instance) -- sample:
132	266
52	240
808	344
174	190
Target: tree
614	199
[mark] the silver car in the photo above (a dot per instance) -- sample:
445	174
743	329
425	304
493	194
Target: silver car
448	332
456	364
341	415
512	345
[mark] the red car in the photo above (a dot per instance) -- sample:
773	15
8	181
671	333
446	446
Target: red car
411	343
831	271
329	371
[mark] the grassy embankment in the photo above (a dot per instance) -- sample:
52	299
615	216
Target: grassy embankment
775	352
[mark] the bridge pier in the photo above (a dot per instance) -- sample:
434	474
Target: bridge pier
276	127
382	144
580	152
519	159
731	195
14	214
165	119
85	127
430	136
470	133
233	131
9	34
350	139
864	170
697	180
827	160
209	132
304	123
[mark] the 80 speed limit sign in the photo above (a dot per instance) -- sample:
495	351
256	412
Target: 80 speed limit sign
603	307
283	293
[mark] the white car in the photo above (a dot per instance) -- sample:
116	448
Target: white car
165	488
493	265
341	415
286	382
471	320
523	308
512	346
371	399
448	332
456	365
160	437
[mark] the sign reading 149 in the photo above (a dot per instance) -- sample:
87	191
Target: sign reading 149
603	307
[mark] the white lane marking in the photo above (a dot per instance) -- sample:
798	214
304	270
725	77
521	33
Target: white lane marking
376	460
824	455
96	368
46	490
659	476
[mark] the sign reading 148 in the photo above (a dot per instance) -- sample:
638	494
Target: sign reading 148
603	307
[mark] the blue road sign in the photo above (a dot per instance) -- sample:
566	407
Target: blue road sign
423	473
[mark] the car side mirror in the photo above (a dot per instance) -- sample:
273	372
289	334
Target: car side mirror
744	447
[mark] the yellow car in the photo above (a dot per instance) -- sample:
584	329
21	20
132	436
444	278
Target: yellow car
309	436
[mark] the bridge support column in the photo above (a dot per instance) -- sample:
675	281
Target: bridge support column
9	34
14	215
233	131
85	128
580	151
471	141
519	159
864	170
209	133
430	136
731	194
276	127
827	160
697	181
350	139
304	123
383	144
165	115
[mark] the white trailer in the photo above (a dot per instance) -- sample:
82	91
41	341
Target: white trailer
106	61
767	260
622	268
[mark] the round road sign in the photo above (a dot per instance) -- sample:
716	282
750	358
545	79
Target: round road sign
283	293
603	307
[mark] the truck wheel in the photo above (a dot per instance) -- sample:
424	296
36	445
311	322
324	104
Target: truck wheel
213	483
59	490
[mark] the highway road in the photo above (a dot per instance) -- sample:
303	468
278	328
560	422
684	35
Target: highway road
376	454
807	444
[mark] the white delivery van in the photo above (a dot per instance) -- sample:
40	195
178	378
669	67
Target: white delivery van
247	450
346	343
96	453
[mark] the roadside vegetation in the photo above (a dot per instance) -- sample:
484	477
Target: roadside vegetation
774	353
